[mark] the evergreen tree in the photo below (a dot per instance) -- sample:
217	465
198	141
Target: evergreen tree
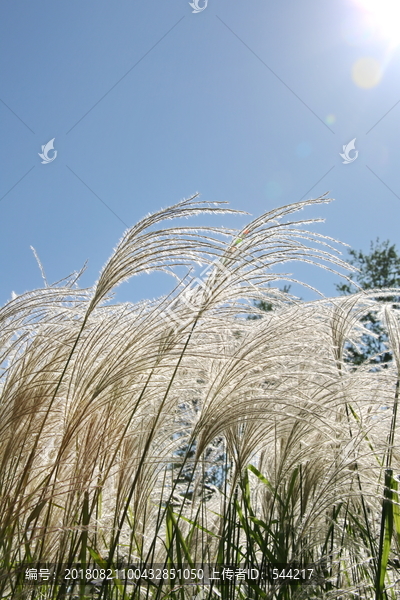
265	305
378	269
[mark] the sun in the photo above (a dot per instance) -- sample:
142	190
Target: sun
385	17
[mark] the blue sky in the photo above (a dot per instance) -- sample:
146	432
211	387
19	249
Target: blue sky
249	102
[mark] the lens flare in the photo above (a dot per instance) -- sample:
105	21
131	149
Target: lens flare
385	15
366	72
330	119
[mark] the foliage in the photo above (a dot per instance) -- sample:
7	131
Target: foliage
267	305
378	269
112	415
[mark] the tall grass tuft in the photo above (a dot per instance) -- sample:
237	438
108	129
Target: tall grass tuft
180	433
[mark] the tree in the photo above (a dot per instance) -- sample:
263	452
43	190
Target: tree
378	269
265	305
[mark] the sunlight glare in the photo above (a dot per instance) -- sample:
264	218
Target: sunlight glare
385	14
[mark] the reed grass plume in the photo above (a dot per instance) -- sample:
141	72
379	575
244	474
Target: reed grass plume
179	430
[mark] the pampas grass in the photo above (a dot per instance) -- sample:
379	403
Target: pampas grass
179	431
